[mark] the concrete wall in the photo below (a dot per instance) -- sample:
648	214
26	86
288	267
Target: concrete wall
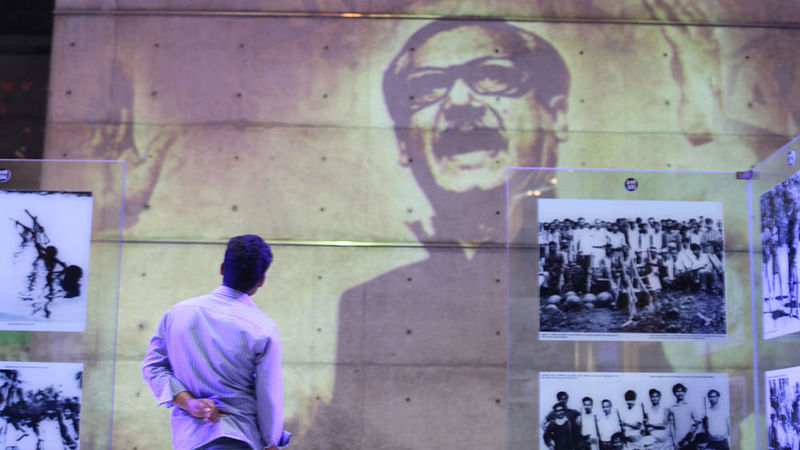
238	117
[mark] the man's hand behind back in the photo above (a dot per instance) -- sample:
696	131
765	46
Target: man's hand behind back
202	408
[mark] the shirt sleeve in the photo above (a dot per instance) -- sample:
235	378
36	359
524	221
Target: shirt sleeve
157	370
269	394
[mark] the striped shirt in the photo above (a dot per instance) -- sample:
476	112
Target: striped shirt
219	346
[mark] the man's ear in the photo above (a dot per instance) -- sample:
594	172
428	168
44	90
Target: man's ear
261	281
558	105
222	269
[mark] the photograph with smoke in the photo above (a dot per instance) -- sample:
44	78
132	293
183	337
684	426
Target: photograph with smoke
44	259
40	405
779	243
631	270
633	411
782	407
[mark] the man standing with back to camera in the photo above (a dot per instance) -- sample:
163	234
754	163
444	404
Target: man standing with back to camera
218	359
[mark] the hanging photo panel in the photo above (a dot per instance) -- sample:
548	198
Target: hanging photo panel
44	259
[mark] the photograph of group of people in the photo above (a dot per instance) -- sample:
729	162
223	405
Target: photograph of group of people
631	270
40	405
633	411
783	408
779	270
44	259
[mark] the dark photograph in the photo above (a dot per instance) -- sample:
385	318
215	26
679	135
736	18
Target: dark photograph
779	243
631	270
44	259
40	405
633	411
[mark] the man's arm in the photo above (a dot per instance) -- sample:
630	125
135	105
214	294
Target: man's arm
168	390
157	370
269	394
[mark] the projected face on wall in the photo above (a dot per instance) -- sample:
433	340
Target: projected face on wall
470	99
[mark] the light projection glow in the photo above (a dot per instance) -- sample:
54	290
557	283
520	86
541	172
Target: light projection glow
397	131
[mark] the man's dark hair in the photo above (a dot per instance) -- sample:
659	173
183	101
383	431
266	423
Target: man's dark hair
587	399
655	391
548	70
630	395
247	259
678	387
714	391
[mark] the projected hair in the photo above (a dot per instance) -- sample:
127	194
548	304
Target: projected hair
545	65
247	259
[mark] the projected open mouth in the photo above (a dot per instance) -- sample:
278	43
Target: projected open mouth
461	144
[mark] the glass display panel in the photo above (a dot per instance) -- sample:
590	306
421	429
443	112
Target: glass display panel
775	194
61	225
655	285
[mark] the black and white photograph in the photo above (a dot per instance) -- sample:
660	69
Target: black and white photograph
783	408
40	405
44	259
633	411
779	271
631	270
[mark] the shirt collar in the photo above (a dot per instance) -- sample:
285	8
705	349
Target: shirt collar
231	294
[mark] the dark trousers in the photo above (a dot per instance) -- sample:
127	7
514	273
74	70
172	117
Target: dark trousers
226	443
718	445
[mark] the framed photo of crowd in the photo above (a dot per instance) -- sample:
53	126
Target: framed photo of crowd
631	270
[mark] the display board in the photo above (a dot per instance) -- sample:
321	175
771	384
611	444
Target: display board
630	292
60	251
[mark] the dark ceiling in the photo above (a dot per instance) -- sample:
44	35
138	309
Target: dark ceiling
26	28
27	17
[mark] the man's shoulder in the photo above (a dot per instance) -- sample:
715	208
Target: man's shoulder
199	301
210	304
